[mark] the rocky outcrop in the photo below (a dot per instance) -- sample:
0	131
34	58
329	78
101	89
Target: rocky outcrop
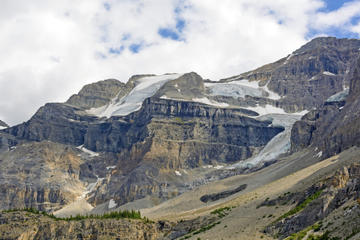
216	196
26	226
96	94
187	87
333	127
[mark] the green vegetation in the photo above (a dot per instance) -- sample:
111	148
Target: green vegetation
300	235
301	206
111	215
179	120
221	212
205	228
316	227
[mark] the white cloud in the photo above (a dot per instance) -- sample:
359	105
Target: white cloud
50	49
339	17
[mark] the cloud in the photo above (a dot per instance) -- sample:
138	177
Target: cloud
50	49
343	20
339	17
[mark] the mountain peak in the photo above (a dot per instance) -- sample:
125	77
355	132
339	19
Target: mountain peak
96	94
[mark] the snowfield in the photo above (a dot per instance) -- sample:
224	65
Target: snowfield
145	88
340	96
207	101
87	151
241	88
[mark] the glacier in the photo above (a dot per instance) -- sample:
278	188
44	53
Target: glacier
145	87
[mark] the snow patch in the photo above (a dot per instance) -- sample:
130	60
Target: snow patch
207	166
112	204
110	167
267	109
145	88
241	88
272	95
207	101
85	150
270	109
313	78
165	97
219	167
329	73
2	127
73	120
340	96
319	154
288	58
177	173
91	187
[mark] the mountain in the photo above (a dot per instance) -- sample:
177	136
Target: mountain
3	125
156	142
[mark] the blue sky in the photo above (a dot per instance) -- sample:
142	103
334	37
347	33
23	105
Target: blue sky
47	44
336	31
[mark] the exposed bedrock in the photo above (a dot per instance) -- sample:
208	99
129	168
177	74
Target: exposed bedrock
335	126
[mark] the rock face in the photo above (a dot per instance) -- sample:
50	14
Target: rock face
55	122
333	127
26	226
96	94
41	175
187	87
170	135
311	74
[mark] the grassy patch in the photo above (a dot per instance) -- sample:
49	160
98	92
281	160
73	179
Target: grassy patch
300	235
300	206
179	120
221	212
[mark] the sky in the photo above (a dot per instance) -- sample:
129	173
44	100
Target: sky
50	49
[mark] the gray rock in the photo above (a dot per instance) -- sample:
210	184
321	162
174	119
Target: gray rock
96	94
333	127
